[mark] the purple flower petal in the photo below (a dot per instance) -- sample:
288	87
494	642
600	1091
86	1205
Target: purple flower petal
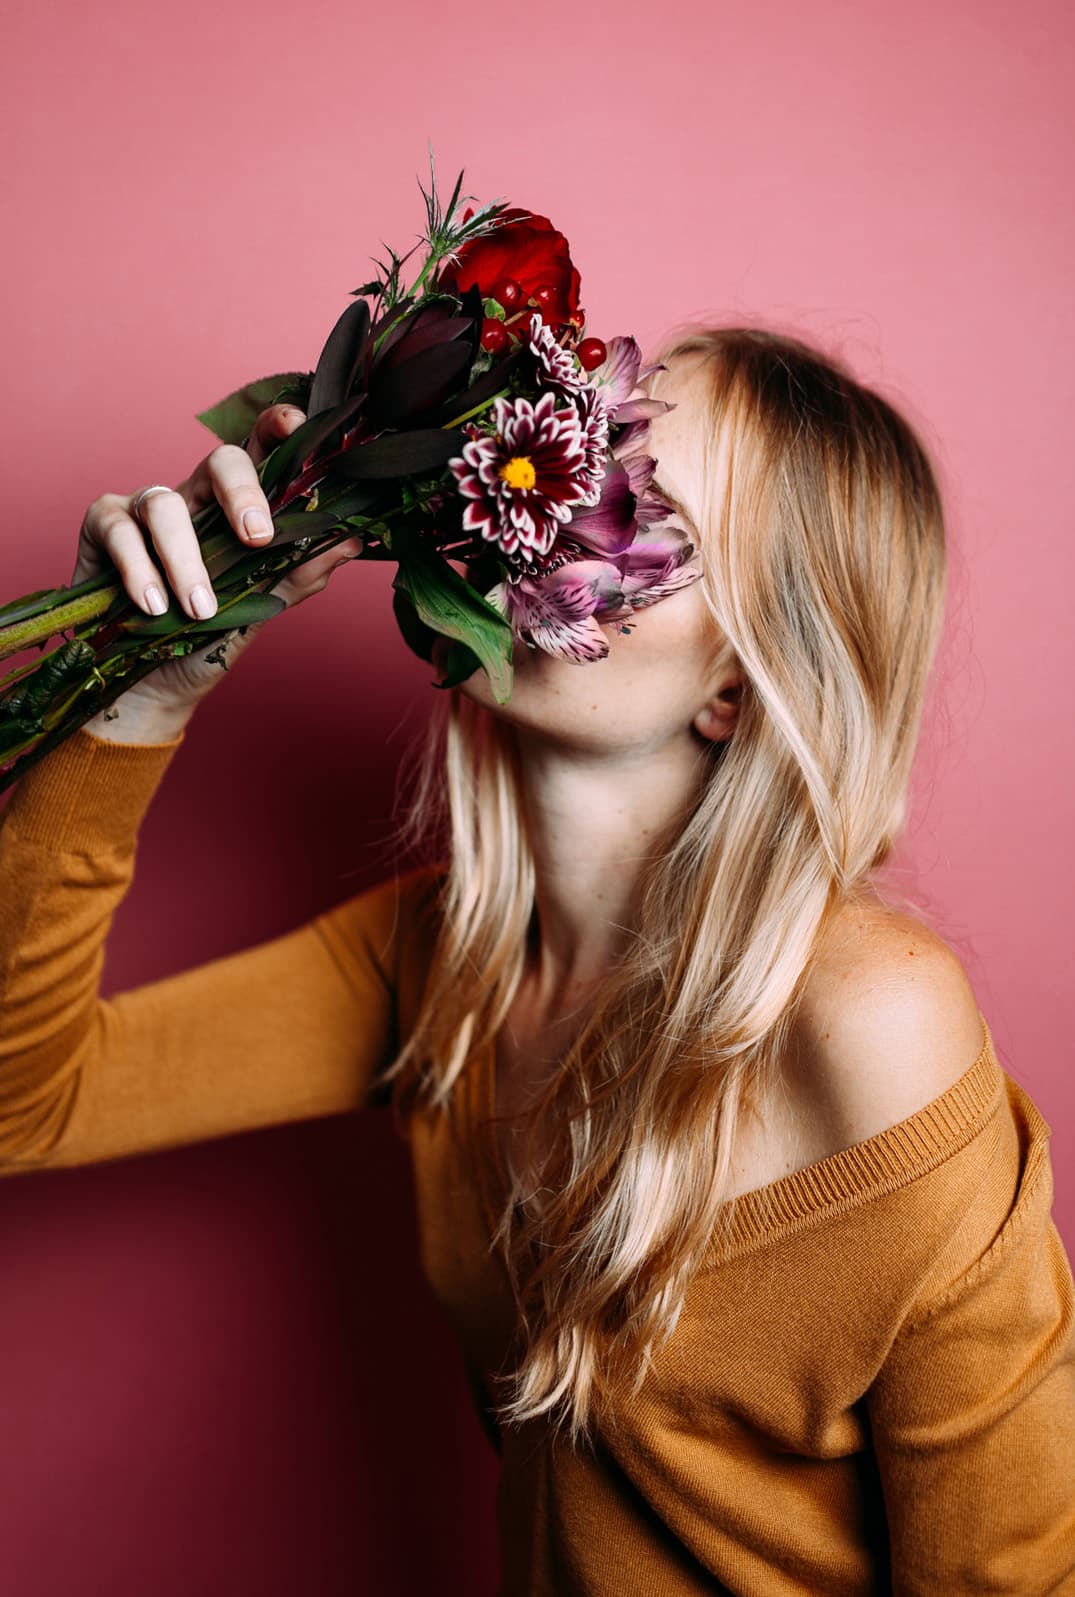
555	612
637	409
608	526
630	439
681	577
617	375
653	568
639	469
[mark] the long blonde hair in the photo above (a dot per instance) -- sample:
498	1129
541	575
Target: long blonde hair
823	553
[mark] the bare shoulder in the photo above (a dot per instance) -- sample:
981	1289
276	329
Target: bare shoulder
888	1021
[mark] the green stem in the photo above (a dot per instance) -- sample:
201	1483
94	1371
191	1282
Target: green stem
76	612
87	601
477	409
128	662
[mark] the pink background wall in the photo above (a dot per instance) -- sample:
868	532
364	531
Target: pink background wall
221	1371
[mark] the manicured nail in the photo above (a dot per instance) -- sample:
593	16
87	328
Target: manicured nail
202	603
156	603
256	526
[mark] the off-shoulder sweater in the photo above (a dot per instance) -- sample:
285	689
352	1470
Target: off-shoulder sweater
872	1389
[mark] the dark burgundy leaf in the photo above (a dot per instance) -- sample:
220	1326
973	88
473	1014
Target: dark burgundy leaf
340	359
298	446
396	321
402	454
417	384
422	335
485	387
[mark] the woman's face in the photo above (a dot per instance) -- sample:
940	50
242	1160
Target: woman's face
658	683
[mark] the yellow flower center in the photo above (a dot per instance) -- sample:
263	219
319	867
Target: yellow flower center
518	472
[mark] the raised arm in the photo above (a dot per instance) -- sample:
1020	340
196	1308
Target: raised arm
292	1028
289	1029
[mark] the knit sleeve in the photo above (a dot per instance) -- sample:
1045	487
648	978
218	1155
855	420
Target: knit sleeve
973	1409
289	1029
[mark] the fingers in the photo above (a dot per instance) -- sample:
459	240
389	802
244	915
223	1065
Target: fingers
272	425
166	519
164	525
234	482
313	575
168	527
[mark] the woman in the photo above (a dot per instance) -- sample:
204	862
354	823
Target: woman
743	1229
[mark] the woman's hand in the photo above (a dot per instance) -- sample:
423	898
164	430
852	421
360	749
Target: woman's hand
166	698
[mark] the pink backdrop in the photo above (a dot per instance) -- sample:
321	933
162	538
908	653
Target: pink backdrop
222	1372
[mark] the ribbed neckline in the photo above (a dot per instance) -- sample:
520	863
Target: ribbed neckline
881	1164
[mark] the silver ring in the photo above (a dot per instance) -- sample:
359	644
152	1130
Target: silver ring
154	488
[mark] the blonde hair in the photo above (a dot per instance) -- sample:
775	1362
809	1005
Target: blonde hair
823	554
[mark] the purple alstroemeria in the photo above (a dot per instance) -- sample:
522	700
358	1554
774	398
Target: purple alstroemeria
654	567
560	611
609	526
620	374
555	612
616	379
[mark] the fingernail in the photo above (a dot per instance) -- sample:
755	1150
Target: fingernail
202	603
256	526
156	603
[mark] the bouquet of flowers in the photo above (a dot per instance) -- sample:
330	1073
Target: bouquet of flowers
468	421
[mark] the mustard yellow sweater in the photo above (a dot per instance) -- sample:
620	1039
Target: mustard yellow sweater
875	1392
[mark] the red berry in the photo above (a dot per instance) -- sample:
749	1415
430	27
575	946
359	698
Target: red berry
509	294
494	335
591	353
544	299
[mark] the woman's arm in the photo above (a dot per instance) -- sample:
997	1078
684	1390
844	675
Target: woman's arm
290	1029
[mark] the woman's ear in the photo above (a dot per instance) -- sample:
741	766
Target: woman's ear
717	718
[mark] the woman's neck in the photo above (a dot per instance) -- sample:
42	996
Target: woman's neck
593	822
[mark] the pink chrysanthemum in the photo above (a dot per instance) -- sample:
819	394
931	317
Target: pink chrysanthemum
556	366
594	418
521	481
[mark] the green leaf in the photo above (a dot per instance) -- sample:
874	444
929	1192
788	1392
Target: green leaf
251	607
461	662
232	419
65	664
334	511
416	635
494	309
453	608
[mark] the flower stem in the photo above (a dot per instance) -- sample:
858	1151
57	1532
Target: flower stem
458	421
76	612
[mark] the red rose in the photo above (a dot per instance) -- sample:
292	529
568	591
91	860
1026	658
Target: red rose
530	253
